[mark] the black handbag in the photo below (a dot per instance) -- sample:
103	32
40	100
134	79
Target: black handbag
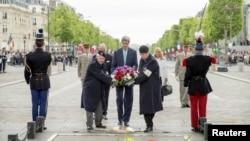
166	90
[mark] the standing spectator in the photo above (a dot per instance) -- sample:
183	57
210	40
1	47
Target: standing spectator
150	86
54	59
94	90
59	62
180	72
108	61
124	94
36	75
84	60
158	55
4	59
195	79
1	62
70	60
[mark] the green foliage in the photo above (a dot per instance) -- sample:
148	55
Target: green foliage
66	27
215	21
188	26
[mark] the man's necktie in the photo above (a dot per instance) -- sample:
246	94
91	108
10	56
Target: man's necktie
124	56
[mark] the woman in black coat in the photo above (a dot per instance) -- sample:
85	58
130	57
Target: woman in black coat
150	86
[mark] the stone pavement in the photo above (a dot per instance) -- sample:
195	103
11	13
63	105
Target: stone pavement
228	103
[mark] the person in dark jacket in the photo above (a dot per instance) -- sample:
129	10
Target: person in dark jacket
150	87
195	79
108	61
124	94
4	59
94	90
36	75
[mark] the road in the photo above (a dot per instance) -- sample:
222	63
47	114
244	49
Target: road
228	103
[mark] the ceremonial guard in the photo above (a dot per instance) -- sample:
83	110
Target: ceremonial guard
195	79
36	75
94	90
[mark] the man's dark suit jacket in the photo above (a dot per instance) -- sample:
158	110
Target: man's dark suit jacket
118	61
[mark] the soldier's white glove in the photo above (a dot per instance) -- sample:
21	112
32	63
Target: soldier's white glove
177	78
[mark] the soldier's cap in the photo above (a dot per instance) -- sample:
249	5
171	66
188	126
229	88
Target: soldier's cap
198	37
199	46
101	53
143	49
86	45
186	45
39	35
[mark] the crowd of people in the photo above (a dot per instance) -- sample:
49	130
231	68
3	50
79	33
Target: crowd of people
239	56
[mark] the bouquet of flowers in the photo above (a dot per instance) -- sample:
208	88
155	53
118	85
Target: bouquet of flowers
124	75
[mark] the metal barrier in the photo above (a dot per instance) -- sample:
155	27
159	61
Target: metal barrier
32	128
13	137
39	124
206	124
201	122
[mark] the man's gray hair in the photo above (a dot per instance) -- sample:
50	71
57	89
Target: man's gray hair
102	45
125	38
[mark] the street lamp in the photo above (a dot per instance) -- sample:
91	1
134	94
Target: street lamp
24	41
48	8
230	9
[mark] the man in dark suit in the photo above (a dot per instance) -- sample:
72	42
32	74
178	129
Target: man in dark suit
36	75
124	94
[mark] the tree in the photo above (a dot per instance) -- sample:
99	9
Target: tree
224	20
220	15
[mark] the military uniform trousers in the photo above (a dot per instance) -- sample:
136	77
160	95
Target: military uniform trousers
198	108
183	94
39	103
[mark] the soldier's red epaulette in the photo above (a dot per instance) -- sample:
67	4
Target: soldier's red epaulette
184	62
213	60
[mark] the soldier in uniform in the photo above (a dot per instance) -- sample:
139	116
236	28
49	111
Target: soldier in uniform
94	89
179	74
83	62
36	75
195	79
